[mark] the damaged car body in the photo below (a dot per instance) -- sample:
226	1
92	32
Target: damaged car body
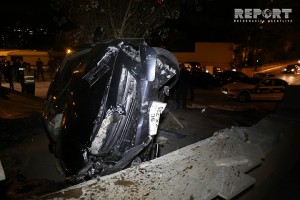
103	106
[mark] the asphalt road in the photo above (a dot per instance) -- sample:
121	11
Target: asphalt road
31	169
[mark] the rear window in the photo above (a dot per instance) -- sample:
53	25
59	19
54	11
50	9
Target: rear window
253	81
279	83
242	75
291	66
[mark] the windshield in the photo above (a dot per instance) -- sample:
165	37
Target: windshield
290	66
253	80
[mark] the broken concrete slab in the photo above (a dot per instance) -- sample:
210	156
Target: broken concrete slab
2	173
190	172
224	165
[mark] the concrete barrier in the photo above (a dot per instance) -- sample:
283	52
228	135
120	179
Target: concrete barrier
2	174
291	99
224	165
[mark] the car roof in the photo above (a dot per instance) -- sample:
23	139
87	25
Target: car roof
234	72
293	65
274	78
257	80
270	78
201	72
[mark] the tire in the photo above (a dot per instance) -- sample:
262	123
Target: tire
244	96
166	57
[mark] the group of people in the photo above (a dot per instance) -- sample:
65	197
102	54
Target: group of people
21	72
27	76
6	70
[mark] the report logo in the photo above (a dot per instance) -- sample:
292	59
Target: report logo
256	15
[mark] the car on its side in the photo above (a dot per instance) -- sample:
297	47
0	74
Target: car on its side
233	76
291	69
256	89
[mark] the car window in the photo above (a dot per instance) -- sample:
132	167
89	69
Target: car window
253	81
291	66
279	83
267	82
242	75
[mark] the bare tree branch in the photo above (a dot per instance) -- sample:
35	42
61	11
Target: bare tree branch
119	18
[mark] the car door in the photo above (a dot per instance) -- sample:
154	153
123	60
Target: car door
270	89
263	90
278	89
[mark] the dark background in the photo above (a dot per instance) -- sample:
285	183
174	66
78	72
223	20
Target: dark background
200	20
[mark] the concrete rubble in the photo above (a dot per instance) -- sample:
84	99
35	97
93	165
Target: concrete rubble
204	170
2	173
223	165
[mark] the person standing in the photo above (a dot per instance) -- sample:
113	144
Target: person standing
2	67
183	86
39	69
21	76
29	82
9	74
52	67
16	67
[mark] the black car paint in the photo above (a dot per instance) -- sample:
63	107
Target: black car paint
205	79
233	76
115	80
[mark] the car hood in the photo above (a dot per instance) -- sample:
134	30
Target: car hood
239	85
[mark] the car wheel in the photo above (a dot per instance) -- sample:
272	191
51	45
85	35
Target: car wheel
244	96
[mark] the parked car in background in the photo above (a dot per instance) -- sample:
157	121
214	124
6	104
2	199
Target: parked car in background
217	71
256	89
204	79
263	75
291	69
232	76
193	66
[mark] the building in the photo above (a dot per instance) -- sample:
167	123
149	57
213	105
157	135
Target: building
214	54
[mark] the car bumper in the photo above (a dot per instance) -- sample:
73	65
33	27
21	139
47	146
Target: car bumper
230	94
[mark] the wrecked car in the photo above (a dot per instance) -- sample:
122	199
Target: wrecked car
102	109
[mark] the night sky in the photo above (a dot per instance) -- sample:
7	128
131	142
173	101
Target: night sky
29	12
211	12
212	20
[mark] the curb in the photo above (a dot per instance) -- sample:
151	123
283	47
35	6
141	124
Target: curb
8	91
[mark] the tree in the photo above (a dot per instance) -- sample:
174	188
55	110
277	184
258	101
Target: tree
268	42
118	18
